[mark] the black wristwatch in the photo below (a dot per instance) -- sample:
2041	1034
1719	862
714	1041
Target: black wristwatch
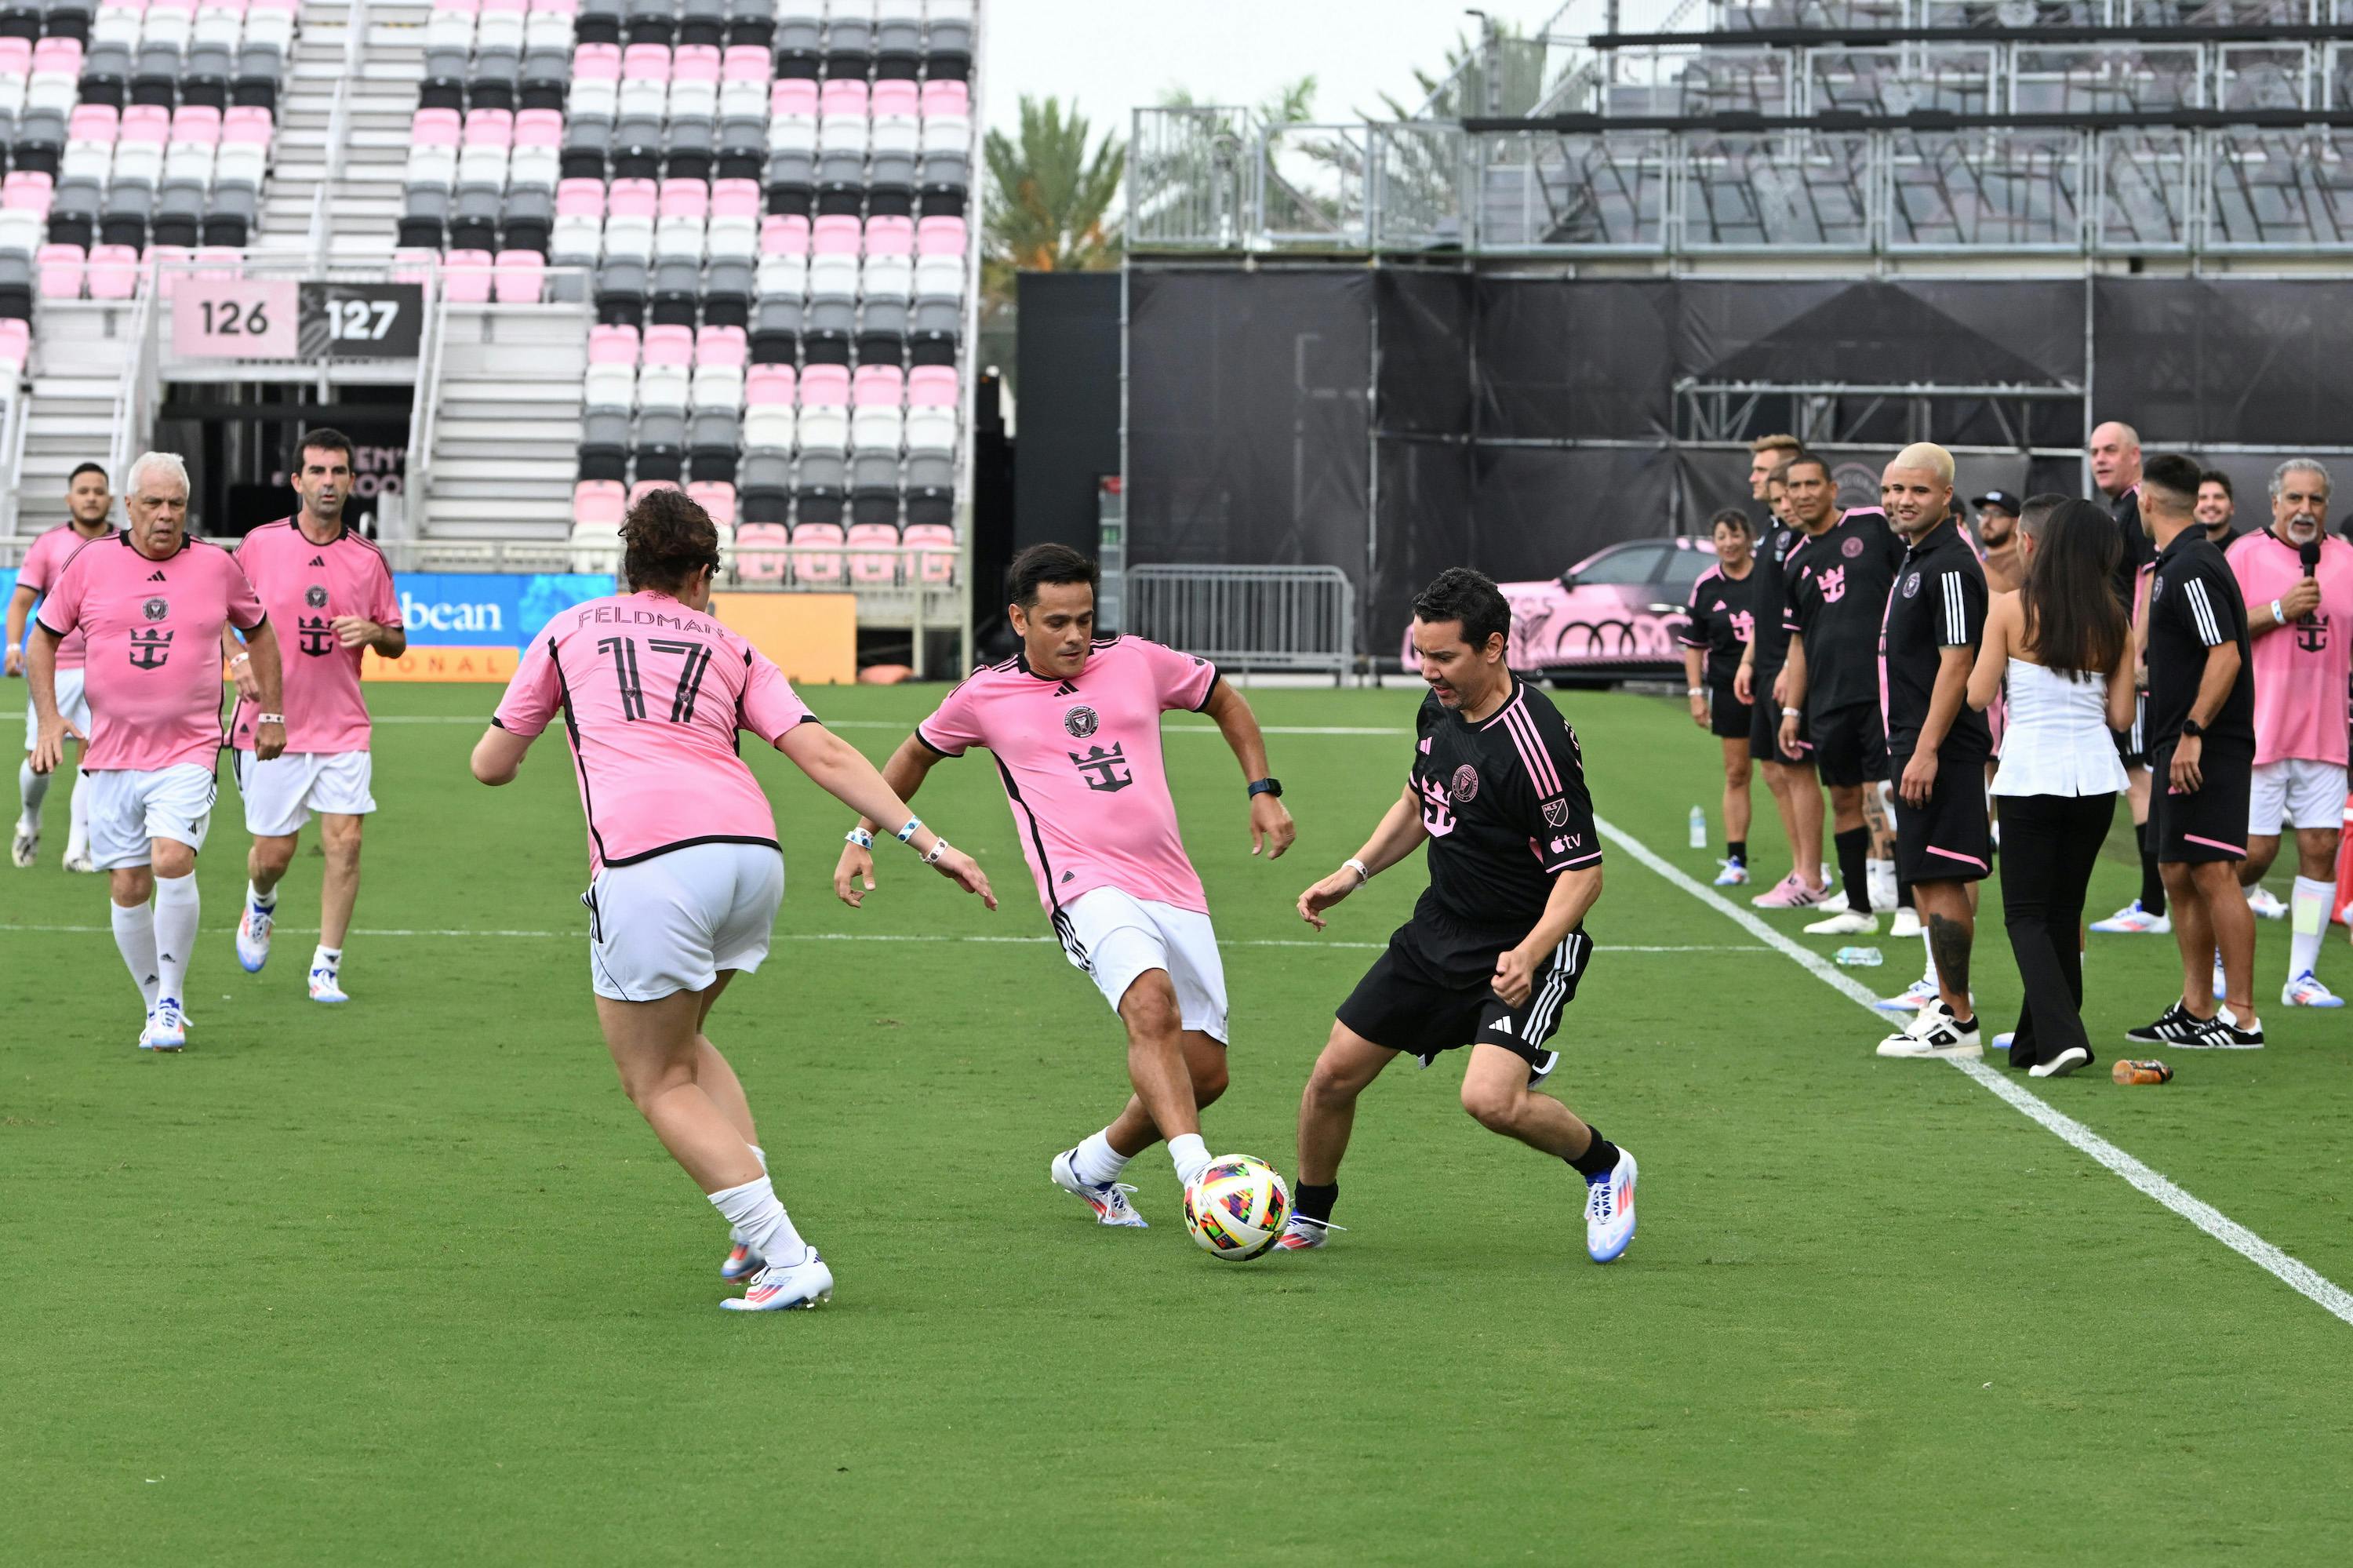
1267	787
2191	729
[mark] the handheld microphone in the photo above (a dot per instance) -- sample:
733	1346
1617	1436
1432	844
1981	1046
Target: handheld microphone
2309	553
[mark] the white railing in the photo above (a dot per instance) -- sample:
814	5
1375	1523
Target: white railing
339	125
424	407
12	440
139	389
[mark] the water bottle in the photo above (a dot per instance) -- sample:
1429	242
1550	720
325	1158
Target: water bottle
1698	829
1857	958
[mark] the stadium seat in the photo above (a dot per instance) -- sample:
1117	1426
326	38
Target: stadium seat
762	551
934	547
61	272
519	276
113	272
873	554
817	558
466	277
718	499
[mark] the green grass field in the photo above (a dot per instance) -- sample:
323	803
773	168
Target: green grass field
409	1281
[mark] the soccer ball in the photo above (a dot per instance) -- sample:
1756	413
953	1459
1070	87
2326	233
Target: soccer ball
1237	1207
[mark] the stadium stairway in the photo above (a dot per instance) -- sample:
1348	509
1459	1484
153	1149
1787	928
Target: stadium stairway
363	202
75	372
506	434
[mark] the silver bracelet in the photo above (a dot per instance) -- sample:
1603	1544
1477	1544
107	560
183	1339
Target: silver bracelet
939	849
859	837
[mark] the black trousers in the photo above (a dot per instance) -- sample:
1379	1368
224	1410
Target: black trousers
2048	843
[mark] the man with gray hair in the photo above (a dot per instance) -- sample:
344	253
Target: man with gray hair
2298	585
151	603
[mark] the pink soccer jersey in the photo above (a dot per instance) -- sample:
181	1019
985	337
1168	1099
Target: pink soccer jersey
2301	668
1080	763
654	693
153	672
38	571
304	586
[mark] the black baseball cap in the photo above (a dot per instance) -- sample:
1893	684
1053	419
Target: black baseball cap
2003	499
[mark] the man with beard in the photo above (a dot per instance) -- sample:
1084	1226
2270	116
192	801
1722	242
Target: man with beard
2217	508
1998	514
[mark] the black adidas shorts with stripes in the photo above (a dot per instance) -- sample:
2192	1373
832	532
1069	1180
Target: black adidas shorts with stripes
1431	992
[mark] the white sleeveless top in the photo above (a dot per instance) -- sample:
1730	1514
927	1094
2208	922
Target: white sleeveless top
2057	741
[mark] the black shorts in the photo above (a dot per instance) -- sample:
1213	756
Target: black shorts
1764	725
1851	745
1949	840
2211	824
2132	744
1727	716
1430	993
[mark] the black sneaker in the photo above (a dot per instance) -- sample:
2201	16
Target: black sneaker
2174	1026
2220	1034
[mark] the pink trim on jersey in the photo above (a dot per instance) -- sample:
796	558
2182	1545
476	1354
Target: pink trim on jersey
2239	850
1955	854
652	695
1081	766
1515	718
304	586
44	559
153	676
2296	665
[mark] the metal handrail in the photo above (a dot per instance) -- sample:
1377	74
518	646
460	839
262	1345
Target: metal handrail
15	439
339	116
425	408
141	383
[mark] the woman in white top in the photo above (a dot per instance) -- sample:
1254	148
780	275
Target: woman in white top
2062	644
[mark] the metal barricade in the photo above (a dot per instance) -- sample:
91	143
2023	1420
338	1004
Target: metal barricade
1248	618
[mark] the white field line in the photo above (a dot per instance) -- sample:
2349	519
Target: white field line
2299	1277
482	721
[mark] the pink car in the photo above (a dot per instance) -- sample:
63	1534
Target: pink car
1615	615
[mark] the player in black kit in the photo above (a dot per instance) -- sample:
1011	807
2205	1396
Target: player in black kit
1789	776
1497	943
1722	622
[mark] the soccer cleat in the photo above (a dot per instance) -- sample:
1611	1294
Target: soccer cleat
325	986
253	936
2062	1064
741	1262
2264	903
2177	1025
166	1030
2133	921
1881	885
1790	893
2305	990
1609	1210
1936	1033
82	864
781	1288
26	848
1734	875
1922	993
1845	923
1107	1199
1301	1234
1905	924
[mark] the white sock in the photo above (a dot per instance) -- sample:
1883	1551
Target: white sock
78	831
135	937
175	934
759	1154
2308	922
1930	949
1097	1161
31	787
753	1214
331	959
1190	1154
259	899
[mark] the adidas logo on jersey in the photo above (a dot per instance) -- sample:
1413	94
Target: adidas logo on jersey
1504	1027
318	561
154	577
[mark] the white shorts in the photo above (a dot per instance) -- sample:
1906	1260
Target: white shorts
672	923
1114	937
127	810
282	793
2300	793
73	706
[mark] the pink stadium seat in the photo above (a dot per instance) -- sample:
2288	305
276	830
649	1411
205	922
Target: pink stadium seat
456	8
515	7
172	255
890	235
219	262
600	501
555	7
695	62
15	343
92	122
934	386
57	54
113	272
760	549
669	346
645	487
519	277
539	128
631	199
823	566
413	264
873	554
784	234
879	387
466	277
26	190
426	128
835	234
946	98
769	385
825	386
896	98
744	62
735	198
579	198
940	236
613	344
151	123
59	271
683	198
721	345
646	62
935	551
246	125
16	57
488	128
844	96
196	124
793	98
716	497
597	62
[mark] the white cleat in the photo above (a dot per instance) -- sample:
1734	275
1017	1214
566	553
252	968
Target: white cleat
1937	1035
2264	903
741	1262
1301	1234
1609	1210
82	864
1734	875
1107	1199
166	1028
1905	924
2132	920
2305	990
1845	923
26	848
325	988
253	936
1922	994
781	1288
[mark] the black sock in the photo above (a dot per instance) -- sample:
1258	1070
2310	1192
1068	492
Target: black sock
1601	1156
1904	895
2152	885
1739	848
1854	867
1311	1203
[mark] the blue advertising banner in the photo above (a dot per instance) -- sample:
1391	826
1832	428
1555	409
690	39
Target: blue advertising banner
479	610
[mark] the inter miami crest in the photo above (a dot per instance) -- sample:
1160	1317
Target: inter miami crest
315	597
1912	585
1851	549
155	608
1081	721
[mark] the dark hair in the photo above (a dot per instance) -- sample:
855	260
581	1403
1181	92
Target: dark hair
1458	593
666	539
1732	518
2036	510
326	441
80	469
2176	475
1803	456
1043	563
2074	623
2216	476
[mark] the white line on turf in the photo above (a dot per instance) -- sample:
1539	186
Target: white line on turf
480	720
2300	1278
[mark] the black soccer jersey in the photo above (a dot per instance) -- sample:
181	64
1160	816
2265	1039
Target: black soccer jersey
2139	550
1939	602
1506	810
1722	613
1768	587
2194	604
1837	594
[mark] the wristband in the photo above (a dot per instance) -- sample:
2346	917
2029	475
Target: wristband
1699	691
859	837
939	848
248	657
270	718
907	833
1792	713
1363	875
2279	616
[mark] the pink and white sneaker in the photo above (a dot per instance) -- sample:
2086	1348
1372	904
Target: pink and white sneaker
742	1261
2132	920
1791	892
1301	1234
783	1288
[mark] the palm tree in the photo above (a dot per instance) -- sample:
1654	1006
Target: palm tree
1049	203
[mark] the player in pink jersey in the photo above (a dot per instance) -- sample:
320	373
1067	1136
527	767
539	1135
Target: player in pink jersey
685	873
152	602
332	589
1074	724
87	500
2298	585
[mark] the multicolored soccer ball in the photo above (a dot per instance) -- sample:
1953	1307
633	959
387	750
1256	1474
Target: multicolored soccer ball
1237	1208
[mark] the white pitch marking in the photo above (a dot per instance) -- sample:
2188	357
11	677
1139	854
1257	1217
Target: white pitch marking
2302	1278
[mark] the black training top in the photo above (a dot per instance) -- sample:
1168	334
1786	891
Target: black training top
2194	604
1723	618
1770	580
2140	549
1836	596
1505	803
1939	602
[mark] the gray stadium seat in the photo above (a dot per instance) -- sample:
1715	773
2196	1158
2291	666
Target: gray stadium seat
620	293
649	21
179	213
715	430
727	294
702	22
231	217
677	286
